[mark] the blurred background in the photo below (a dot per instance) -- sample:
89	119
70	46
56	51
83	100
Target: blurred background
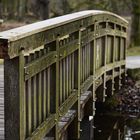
15	13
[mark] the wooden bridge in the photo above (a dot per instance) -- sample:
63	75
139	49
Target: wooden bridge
54	72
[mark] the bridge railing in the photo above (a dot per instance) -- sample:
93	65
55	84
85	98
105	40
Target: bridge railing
48	65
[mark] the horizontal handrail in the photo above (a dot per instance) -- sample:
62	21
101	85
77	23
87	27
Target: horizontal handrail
49	29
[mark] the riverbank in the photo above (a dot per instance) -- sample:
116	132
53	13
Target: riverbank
120	114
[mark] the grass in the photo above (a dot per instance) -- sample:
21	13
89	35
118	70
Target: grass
1	61
133	51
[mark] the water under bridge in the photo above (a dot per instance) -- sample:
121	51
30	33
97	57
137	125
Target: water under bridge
54	72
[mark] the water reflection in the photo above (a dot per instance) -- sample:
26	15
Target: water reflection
132	129
118	118
127	133
115	126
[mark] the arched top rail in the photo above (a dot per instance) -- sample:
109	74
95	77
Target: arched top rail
48	30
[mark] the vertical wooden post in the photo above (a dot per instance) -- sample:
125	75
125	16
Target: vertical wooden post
75	126
21	9
113	61
105	59
79	84
57	90
28	92
34	121
120	59
22	99
94	95
123	78
14	98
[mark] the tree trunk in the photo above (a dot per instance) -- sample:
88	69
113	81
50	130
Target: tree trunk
21	9
114	6
43	9
0	9
136	23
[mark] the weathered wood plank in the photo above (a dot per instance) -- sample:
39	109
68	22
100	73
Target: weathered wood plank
72	81
48	91
70	74
69	102
61	86
14	99
34	97
64	81
2	137
67	80
65	121
43	129
28	91
39	93
39	64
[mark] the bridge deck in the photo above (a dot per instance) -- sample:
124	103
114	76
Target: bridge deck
1	104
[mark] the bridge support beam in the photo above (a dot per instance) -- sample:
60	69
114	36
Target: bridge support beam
14	98
74	128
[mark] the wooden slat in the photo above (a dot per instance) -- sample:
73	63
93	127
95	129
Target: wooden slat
67	77
40	64
81	67
83	63
89	56
39	94
70	74
60	93
86	85
1	103
69	102
84	98
34	99
86	63
28	91
64	81
44	128
65	121
48	91
44	92
68	49
22	96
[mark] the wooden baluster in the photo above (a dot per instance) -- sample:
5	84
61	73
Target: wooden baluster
89	56
86	61
32	96
70	74
44	90
48	91
34	102
47	86
64	81
39	94
72	70
81	68
83	48
61	83
29	101
67	78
